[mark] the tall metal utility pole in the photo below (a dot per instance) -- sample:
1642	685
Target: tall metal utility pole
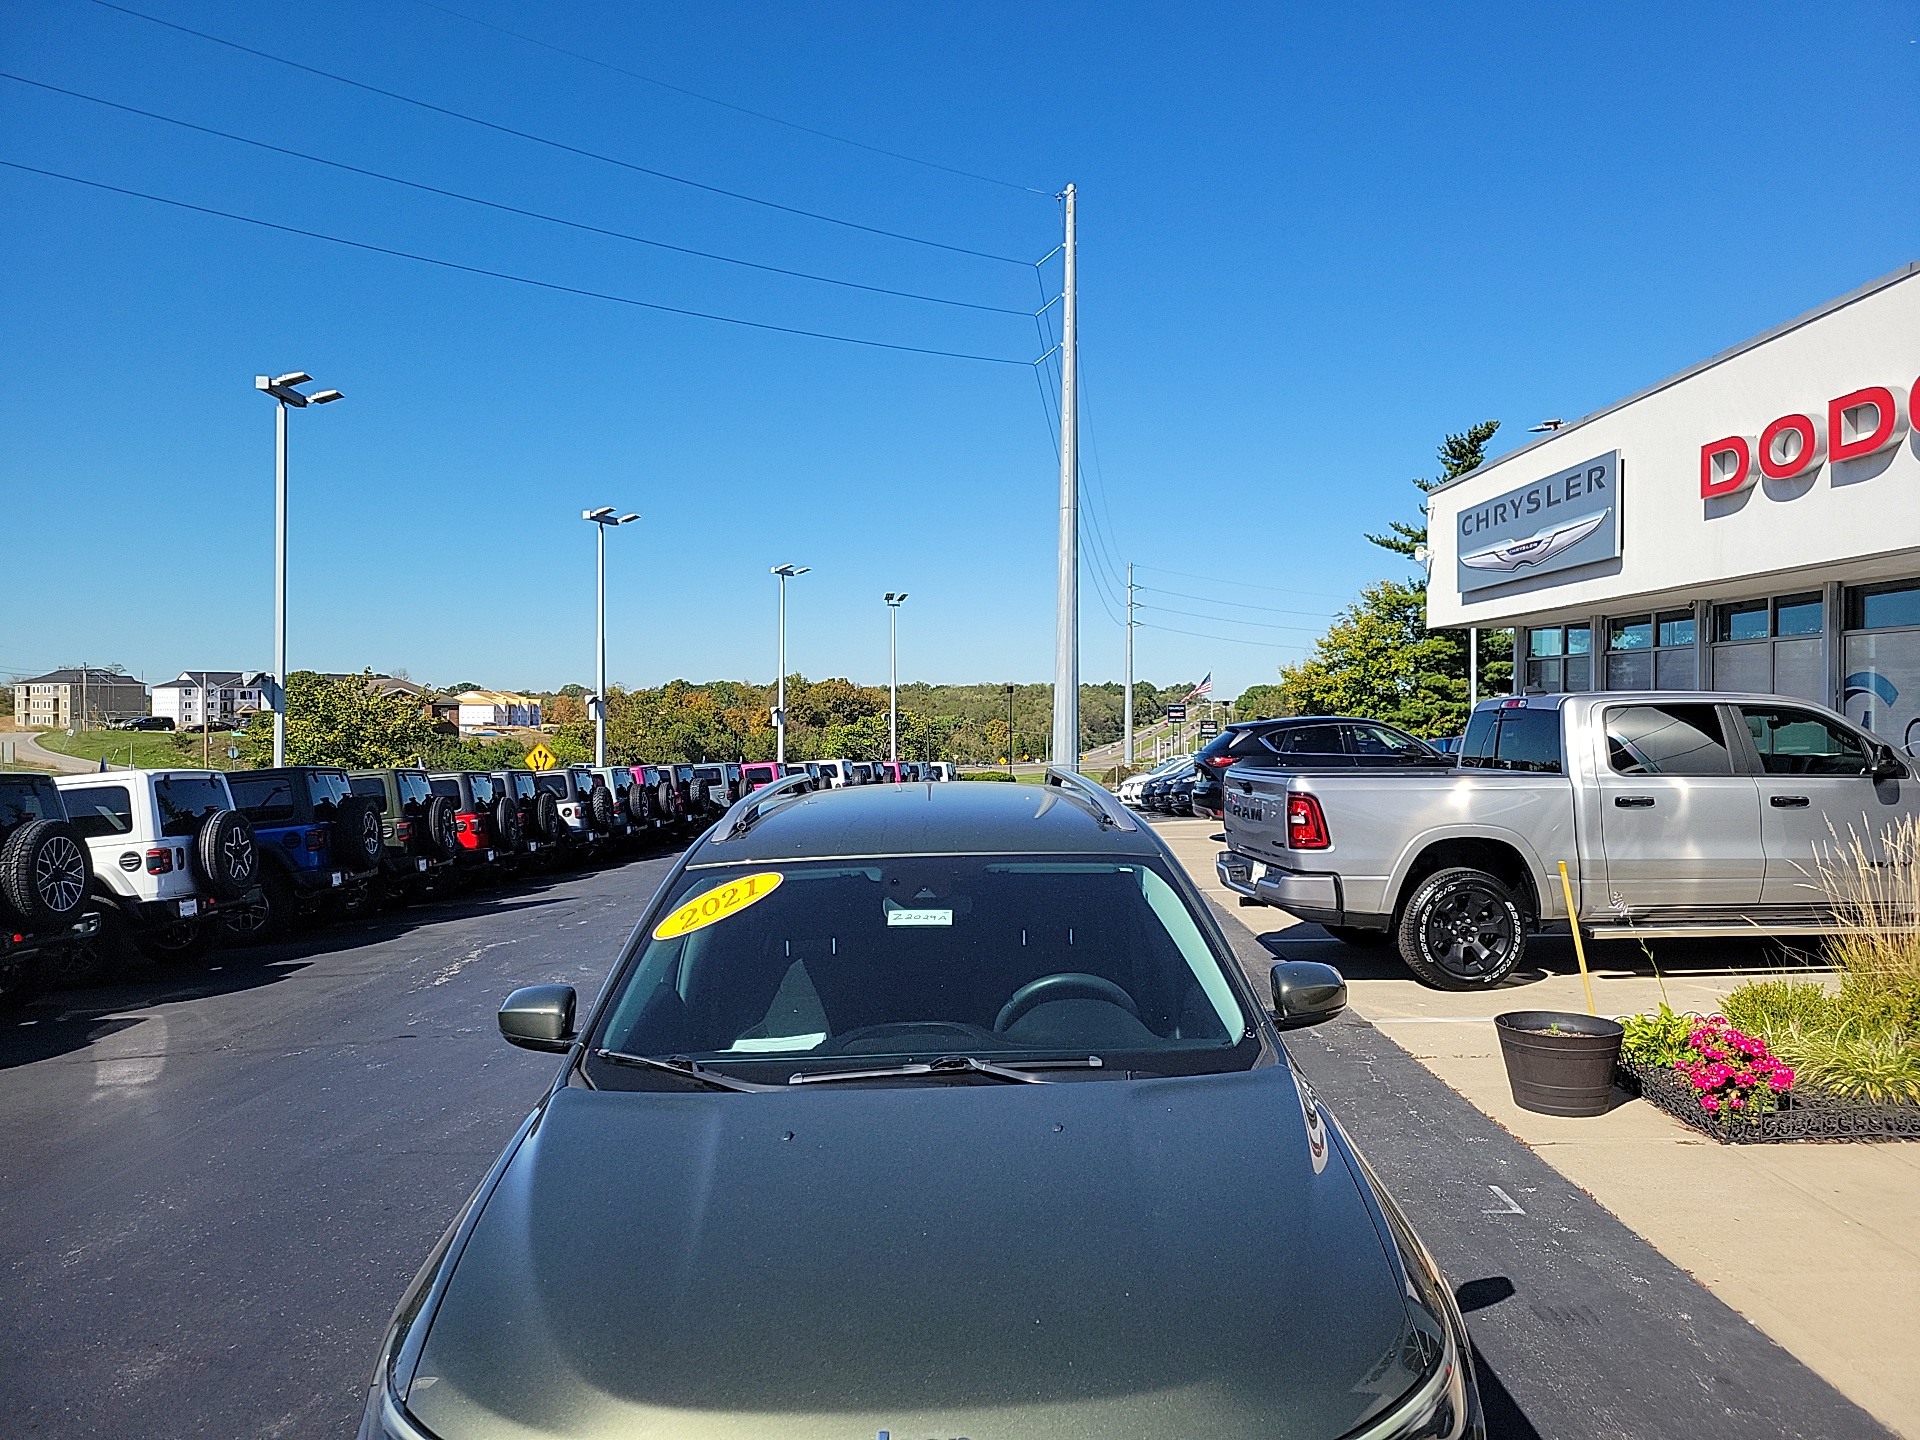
282	389
894	602
786	573
602	518
1473	668
1126	719
1066	619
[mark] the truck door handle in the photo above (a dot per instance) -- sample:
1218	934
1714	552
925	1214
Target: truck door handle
1634	802
1788	802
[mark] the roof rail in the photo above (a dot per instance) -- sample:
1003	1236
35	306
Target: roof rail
746	812
1105	806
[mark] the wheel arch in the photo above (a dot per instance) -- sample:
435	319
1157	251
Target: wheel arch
1504	855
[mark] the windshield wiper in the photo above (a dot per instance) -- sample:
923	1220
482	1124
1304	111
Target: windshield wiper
952	1065
683	1067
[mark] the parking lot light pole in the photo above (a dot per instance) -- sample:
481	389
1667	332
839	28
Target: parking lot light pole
282	389
602	518
1009	732
786	573
894	602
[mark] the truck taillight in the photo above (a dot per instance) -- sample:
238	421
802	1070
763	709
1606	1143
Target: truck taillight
1306	825
159	862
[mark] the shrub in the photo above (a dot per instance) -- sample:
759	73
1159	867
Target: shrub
1656	1039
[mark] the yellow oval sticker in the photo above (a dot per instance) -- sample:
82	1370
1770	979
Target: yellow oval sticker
717	904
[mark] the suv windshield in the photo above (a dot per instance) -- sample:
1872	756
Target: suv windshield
871	961
187	800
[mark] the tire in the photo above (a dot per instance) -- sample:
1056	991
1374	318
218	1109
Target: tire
439	828
546	818
181	943
637	803
600	809
506	823
265	920
45	872
1462	930
663	798
226	855
1358	938
357	843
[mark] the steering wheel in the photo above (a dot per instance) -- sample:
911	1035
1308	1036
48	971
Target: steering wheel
1067	985
971	1033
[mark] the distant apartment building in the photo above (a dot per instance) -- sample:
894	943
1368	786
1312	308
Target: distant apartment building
492	709
77	698
212	697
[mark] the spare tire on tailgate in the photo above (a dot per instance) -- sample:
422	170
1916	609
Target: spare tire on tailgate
600	808
357	844
506	823
546	817
225	854
637	808
45	872
439	828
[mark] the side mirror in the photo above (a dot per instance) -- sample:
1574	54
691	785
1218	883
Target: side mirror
1306	992
540	1017
1888	765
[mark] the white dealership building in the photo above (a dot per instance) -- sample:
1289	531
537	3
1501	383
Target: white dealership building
1752	523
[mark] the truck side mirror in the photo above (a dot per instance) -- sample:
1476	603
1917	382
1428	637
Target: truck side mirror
539	1017
1888	765
1306	992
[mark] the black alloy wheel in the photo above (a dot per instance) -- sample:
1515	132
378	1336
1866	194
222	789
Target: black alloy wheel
44	872
264	917
1462	930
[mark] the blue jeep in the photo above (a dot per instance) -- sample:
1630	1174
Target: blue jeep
319	843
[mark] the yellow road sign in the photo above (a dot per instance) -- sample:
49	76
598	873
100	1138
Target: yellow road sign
541	758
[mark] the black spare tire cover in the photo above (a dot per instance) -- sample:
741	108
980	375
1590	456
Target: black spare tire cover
45	872
225	854
356	834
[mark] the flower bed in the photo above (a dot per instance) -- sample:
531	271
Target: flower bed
1801	1114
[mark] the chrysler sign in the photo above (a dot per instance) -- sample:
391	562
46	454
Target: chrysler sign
1568	519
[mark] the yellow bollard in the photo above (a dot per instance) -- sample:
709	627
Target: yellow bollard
1579	950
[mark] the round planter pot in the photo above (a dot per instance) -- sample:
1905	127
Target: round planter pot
1559	1063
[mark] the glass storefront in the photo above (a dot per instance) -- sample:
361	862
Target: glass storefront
1880	688
1560	657
1651	652
1771	646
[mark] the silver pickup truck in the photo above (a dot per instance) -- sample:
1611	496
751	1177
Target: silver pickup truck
1676	813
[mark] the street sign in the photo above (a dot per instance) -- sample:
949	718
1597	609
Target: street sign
1177	714
541	758
1209	727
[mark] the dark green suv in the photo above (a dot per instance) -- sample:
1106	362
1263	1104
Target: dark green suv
419	830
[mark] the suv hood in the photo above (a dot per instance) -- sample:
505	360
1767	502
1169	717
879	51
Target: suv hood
1102	1258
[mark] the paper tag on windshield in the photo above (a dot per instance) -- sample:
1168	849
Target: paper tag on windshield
717	904
914	918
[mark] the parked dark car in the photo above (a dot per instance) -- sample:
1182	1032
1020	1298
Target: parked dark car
1018	1069
536	812
421	835
1177	794
486	823
1321	742
319	844
46	912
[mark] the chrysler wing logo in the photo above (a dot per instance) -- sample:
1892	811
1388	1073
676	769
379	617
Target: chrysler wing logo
1537	548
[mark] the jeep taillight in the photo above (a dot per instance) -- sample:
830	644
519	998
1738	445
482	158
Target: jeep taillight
316	839
159	862
1306	825
402	829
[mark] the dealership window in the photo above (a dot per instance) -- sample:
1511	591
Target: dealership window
1559	657
1651	652
1880	686
1771	646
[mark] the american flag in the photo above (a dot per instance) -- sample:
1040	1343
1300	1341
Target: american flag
1202	690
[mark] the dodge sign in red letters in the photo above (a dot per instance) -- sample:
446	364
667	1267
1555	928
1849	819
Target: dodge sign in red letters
1863	423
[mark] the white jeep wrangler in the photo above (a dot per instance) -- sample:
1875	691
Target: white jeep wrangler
169	851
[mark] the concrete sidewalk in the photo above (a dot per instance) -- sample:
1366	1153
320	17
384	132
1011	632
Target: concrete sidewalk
1817	1244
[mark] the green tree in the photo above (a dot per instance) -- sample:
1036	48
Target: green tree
1258	702
342	721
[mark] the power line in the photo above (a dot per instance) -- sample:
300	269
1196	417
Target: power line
1243	584
501	205
1237	604
1226	619
557	144
729	105
506	275
1226	639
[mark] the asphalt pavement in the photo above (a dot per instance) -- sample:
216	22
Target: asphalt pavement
216	1182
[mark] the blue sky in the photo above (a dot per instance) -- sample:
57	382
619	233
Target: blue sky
1313	239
